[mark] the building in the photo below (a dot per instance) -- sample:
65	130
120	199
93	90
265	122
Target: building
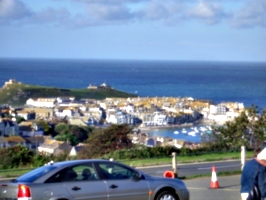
54	147
42	102
8	127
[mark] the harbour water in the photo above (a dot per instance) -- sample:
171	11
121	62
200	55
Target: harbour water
186	133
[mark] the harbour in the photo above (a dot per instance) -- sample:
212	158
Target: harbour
189	133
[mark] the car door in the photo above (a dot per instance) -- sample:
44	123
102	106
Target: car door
81	182
121	183
87	190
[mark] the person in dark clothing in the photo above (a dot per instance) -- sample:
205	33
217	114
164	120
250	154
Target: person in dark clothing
254	173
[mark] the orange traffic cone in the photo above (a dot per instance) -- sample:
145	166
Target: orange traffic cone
169	174
214	182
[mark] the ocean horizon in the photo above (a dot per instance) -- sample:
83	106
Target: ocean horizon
242	82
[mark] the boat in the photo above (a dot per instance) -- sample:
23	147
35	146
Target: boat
176	132
203	128
192	133
184	131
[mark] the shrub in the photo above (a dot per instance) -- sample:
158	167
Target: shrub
15	156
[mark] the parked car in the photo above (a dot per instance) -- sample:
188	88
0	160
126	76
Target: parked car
91	179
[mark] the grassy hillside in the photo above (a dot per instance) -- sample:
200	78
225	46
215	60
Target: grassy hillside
16	94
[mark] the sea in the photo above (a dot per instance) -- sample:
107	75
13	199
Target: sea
243	82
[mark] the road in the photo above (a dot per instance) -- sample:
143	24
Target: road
199	188
192	169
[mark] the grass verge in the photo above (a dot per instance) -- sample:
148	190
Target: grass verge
187	159
158	161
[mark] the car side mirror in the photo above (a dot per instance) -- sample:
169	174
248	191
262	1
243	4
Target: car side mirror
137	176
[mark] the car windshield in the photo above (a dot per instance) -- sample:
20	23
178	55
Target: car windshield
35	174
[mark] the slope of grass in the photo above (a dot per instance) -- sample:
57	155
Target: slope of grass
18	93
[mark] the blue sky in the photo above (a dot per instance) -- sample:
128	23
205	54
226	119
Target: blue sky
219	30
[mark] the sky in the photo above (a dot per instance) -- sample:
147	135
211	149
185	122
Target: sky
194	30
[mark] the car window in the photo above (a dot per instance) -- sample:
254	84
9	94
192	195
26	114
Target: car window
115	171
85	172
74	173
36	173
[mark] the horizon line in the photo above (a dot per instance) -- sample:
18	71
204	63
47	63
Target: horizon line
127	59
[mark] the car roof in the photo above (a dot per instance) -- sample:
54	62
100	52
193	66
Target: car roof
67	162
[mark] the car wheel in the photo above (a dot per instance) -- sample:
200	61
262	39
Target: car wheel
167	195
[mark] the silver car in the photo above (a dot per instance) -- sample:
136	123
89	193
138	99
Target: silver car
91	179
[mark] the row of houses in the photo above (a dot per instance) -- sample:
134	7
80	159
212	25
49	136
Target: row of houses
41	144
86	112
120	110
28	134
133	111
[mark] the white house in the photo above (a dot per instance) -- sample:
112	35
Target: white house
128	108
27	115
218	118
53	147
69	112
62	99
111	119
231	114
42	102
103	105
160	118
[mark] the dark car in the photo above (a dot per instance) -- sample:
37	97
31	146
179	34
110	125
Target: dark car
91	179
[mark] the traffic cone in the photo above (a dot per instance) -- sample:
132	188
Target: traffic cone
169	174
214	182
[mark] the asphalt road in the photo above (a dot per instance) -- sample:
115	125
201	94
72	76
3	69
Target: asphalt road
199	188
186	170
229	188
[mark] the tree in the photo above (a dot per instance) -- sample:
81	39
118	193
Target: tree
62	137
231	134
73	140
247	129
72	134
15	156
103	141
68	137
20	119
44	125
80	132
61	128
257	126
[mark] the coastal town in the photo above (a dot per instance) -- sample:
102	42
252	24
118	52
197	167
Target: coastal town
142	113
